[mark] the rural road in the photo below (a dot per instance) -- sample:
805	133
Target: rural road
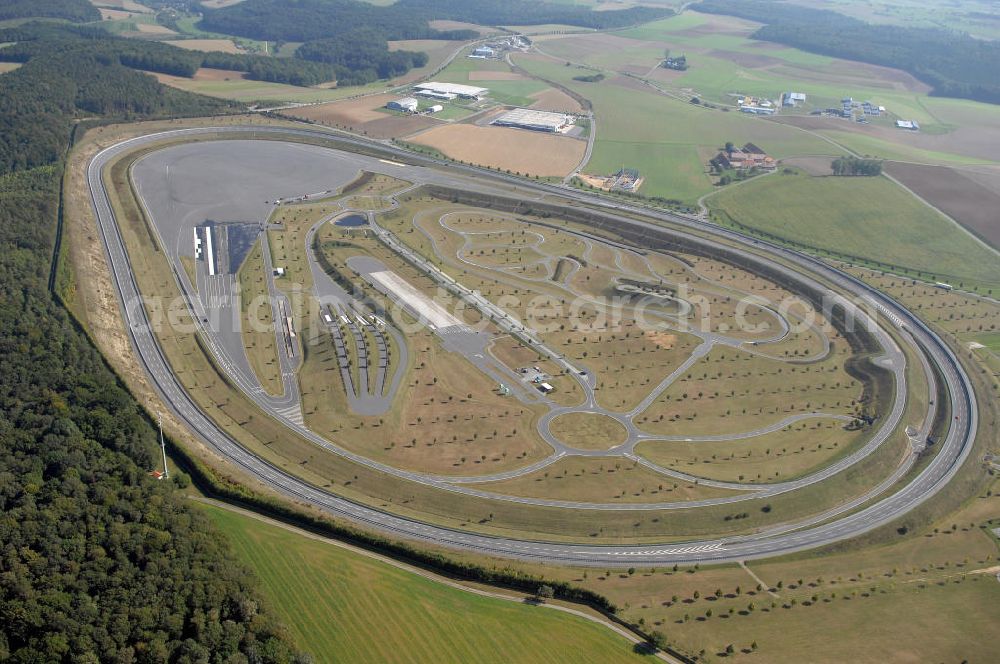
952	449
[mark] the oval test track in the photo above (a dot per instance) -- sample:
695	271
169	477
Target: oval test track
952	450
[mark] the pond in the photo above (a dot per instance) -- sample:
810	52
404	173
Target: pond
351	221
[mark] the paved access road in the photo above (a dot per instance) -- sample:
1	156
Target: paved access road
953	449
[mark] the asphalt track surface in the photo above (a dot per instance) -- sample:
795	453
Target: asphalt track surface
952	449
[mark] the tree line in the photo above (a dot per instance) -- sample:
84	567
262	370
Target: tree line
40	38
856	166
529	12
63	80
353	36
98	561
308	20
77	11
361	57
954	64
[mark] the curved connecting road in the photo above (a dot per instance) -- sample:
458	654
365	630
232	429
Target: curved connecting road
821	529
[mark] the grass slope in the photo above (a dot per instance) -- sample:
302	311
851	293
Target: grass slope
871	218
342	606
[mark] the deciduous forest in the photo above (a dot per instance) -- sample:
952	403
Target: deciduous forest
98	561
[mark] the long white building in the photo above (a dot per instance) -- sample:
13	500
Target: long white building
526	118
438	90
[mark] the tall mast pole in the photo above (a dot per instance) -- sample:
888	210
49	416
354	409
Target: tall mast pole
163	447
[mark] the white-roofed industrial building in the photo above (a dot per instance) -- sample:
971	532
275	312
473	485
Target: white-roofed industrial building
526	118
449	90
407	104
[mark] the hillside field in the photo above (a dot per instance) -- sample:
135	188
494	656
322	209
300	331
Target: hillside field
871	218
343	606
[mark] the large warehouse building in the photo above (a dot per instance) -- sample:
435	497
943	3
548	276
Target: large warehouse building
526	118
449	91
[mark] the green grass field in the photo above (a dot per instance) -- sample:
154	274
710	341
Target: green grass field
513	92
991	341
871	218
668	140
342	606
725	61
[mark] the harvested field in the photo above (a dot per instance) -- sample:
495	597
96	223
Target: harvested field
127	5
514	149
714	24
364	115
425	45
555	100
580	48
234	85
223	45
349	112
629	83
989	178
397	126
115	14
154	29
637	70
748	60
459	25
811	165
970	141
899	79
487	75
963	199
206	74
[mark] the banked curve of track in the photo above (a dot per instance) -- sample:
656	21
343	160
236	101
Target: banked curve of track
952	450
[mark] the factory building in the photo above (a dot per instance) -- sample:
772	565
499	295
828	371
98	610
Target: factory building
526	118
449	91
